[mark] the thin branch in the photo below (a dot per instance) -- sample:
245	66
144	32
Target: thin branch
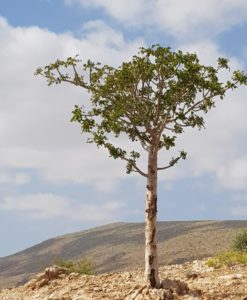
144	146
162	125
135	166
148	128
169	128
140	171
64	79
206	97
181	125
164	168
171	164
136	97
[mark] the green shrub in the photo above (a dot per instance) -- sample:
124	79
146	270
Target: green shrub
213	263
236	256
228	258
240	241
83	266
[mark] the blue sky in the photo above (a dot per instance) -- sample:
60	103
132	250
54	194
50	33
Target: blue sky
51	181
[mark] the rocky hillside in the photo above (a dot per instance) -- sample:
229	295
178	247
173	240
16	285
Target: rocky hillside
120	247
188	281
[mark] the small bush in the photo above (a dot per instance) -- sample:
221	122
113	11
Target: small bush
228	258
240	241
237	256
83	266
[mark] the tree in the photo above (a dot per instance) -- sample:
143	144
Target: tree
151	99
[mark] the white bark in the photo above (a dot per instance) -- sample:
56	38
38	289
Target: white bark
151	253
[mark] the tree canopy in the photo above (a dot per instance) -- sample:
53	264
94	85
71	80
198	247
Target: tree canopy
157	91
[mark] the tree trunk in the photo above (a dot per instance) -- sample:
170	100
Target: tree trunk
151	253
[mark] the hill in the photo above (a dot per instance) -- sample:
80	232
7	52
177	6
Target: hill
119	246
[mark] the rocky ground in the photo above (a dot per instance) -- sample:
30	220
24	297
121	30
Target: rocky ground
187	281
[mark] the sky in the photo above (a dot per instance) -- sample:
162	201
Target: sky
51	181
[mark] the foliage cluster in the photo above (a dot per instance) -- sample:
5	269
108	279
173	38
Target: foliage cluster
240	241
83	266
228	258
236	256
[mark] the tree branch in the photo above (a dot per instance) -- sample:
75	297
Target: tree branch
174	161
171	164
164	168
135	166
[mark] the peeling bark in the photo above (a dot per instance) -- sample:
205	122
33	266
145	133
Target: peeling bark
151	253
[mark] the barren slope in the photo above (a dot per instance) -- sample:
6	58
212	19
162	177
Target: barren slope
119	246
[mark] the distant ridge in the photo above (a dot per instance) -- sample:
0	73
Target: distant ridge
120	246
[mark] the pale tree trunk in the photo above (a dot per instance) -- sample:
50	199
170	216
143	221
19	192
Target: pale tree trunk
151	253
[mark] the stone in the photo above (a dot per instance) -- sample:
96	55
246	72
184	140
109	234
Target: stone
191	275
180	287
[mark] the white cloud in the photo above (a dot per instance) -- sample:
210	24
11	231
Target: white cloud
39	205
4	178
22	178
35	131
197	18
182	19
110	38
127	11
17	179
48	205
234	174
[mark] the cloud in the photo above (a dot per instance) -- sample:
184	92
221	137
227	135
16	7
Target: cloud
234	174
48	205
35	131
191	18
16	179
182	19
126	11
